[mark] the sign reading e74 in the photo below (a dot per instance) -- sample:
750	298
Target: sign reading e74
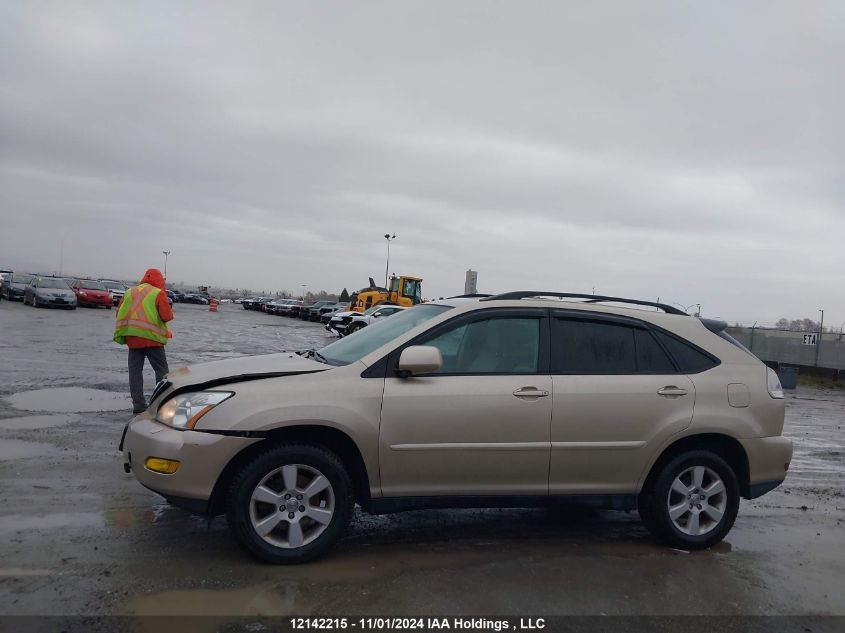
810	339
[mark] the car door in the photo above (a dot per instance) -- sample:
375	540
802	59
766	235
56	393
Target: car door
480	425
617	395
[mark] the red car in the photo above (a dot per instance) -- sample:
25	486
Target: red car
91	293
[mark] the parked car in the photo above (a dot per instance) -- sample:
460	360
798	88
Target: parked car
349	321
360	321
312	312
271	306
4	276
92	293
177	296
285	308
511	401
195	298
42	292
13	286
116	288
327	312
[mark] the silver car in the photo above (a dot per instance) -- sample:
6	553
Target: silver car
45	292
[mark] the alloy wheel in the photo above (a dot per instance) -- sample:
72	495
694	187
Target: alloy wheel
292	506
697	500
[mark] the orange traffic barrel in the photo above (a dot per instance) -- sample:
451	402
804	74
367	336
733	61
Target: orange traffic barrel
212	305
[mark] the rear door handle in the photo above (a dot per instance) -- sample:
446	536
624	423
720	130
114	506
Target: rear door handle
672	392
530	392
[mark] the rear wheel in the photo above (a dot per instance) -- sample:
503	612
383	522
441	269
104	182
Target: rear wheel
693	501
290	504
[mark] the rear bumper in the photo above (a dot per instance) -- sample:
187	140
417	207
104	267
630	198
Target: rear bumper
768	462
96	302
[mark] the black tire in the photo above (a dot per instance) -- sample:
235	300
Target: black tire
654	503
354	328
240	492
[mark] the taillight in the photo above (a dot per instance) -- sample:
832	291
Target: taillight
773	384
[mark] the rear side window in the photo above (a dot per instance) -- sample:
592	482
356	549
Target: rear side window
587	347
594	347
689	359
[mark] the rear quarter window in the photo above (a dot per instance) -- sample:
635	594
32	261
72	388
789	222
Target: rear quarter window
690	360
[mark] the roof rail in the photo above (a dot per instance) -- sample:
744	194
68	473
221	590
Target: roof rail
476	295
522	294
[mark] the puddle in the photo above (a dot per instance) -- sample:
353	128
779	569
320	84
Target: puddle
70	400
283	598
47	522
17	449
36	422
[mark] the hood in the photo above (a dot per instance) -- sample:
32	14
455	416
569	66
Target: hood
241	369
346	313
153	277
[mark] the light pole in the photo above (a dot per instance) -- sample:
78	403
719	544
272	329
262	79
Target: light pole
166	253
389	239
840	330
303	291
819	339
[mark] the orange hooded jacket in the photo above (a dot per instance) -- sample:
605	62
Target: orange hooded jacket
153	277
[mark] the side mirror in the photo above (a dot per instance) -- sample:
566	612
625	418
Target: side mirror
419	359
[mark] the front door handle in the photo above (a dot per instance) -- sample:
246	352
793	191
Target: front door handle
530	392
672	392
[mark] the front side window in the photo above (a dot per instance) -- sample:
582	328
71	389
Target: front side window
505	345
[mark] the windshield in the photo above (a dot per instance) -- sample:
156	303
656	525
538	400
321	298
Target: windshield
21	279
352	348
371	310
49	282
92	285
112	285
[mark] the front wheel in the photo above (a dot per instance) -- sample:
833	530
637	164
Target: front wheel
290	504
693	501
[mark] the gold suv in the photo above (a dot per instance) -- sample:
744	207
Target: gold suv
520	399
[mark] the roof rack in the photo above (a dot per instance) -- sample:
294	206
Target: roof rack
522	294
476	295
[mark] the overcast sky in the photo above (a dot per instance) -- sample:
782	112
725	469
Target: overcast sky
684	150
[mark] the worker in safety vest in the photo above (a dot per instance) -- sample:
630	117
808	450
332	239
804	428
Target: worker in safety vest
141	324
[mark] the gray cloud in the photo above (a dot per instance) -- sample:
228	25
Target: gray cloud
684	151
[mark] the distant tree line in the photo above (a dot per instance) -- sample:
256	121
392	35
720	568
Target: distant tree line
799	325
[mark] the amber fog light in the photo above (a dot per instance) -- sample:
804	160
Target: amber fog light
163	466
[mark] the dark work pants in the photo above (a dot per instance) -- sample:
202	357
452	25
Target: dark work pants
158	361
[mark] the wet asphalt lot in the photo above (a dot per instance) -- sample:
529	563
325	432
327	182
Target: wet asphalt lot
80	537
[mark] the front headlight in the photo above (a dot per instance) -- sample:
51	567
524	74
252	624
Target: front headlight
183	411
